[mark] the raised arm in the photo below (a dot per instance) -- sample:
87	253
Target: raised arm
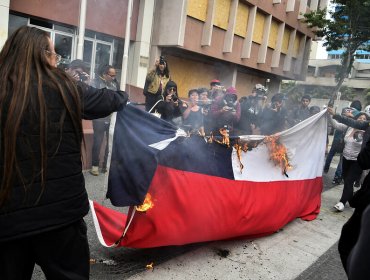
99	103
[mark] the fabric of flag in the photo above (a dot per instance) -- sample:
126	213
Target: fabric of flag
199	190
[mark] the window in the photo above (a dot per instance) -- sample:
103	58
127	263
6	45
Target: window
15	22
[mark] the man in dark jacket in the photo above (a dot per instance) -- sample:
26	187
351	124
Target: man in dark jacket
251	110
106	78
274	119
302	112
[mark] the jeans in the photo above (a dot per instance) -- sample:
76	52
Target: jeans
101	130
329	158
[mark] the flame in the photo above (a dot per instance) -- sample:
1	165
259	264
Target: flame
278	153
147	204
239	148
149	266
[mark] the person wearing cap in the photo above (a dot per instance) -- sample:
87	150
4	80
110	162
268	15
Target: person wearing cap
274	118
214	84
347	117
226	111
155	83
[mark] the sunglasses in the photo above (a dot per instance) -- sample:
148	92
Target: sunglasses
172	89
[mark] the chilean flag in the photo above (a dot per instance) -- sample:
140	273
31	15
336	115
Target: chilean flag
199	191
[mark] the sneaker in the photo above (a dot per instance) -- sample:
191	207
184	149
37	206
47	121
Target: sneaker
339	206
104	170
94	171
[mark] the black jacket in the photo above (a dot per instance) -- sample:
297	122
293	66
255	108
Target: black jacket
32	210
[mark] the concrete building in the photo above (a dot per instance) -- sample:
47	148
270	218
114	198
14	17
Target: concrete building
321	72
238	42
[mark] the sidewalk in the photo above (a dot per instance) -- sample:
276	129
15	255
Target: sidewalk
302	250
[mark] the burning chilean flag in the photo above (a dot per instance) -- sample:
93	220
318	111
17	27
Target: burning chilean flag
184	190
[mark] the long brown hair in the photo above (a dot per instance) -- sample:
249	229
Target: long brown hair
25	73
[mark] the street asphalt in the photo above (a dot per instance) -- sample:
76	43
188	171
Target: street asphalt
301	250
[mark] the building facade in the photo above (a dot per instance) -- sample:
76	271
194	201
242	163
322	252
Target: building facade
238	42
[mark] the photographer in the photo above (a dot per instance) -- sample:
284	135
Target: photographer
274	119
171	107
251	109
226	111
77	69
192	115
155	83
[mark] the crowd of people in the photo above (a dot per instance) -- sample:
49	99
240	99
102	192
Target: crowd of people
207	110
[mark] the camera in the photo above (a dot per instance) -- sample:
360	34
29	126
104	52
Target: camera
82	77
260	93
162	60
174	98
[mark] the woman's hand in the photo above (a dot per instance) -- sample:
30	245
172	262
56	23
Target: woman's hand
330	111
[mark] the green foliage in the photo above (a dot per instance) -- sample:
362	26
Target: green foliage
347	28
294	92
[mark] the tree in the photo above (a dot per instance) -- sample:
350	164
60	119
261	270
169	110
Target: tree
347	28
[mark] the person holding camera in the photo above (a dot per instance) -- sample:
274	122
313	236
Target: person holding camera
170	107
192	115
106	78
77	69
274	118
251	108
225	112
155	83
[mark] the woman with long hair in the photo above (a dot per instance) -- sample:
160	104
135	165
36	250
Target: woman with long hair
352	146
155	83
42	192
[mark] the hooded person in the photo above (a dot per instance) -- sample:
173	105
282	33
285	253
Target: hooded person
169	107
226	111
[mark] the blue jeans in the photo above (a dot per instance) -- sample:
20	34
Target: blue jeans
329	158
338	171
